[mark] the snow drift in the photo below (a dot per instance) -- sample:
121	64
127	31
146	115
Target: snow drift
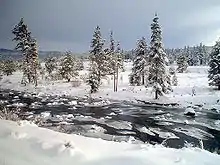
26	144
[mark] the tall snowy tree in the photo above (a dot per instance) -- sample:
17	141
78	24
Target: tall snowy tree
158	75
23	37
67	67
115	60
28	46
139	62
97	61
181	63
214	71
33	61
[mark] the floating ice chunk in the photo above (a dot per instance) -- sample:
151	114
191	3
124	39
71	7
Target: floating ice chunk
190	112
73	102
145	130
46	115
18	105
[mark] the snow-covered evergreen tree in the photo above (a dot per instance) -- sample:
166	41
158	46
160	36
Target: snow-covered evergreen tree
97	53
34	64
67	67
97	59
182	64
120	57
23	38
79	64
8	67
139	62
214	71
94	77
28	46
158	75
174	80
202	54
50	64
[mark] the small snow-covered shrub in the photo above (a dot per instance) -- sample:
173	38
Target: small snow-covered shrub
76	83
172	70
84	77
9	114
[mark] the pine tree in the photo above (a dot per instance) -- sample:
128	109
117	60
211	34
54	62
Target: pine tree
174	80
139	62
34	64
79	64
94	77
67	67
214	71
182	64
28	46
8	67
23	37
50	64
158	75
115	60
97	61
97	54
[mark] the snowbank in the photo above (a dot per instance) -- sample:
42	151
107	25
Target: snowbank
30	145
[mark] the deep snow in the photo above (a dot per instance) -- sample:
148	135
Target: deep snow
24	143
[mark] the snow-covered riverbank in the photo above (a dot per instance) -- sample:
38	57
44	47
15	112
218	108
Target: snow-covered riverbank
195	79
26	144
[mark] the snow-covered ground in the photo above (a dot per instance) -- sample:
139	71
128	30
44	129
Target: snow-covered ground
23	143
195	79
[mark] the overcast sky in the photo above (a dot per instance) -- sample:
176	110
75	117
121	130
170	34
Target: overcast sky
69	24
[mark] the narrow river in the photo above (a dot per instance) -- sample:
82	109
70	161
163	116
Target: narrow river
119	121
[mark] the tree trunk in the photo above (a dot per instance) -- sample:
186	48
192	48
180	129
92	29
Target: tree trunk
116	87
219	87
142	78
114	84
156	94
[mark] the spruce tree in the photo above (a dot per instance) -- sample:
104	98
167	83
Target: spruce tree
97	61
28	46
115	60
97	54
182	64
50	64
94	77
139	61
8	67
34	64
67	67
158	75
214	71
23	38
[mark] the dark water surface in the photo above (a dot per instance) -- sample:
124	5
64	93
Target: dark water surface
119	121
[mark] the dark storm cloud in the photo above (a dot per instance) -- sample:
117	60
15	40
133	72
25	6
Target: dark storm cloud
69	24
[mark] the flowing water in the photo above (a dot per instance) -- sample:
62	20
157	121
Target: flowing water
119	121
